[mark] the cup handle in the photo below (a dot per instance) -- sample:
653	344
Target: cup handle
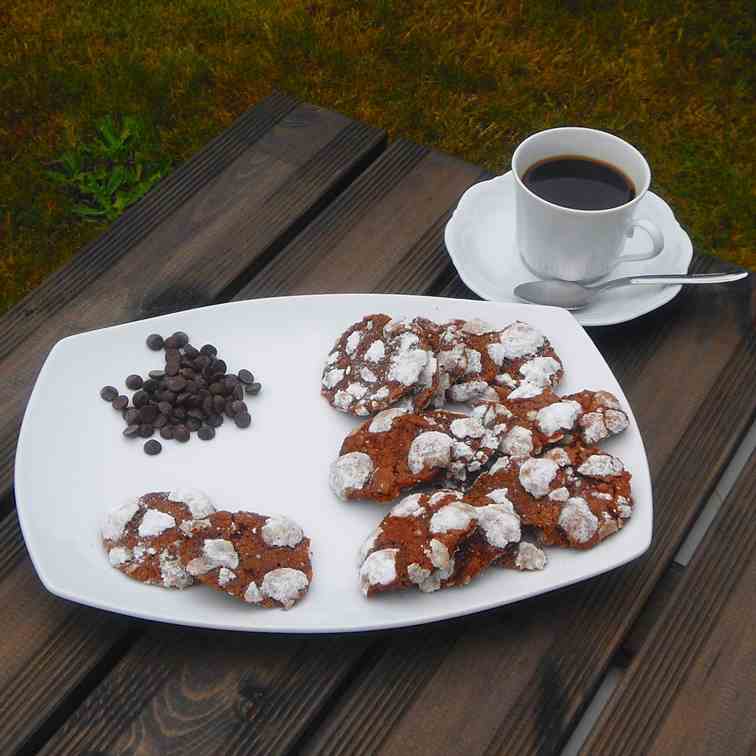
657	240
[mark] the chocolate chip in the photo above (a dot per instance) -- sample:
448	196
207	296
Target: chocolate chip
254	389
172	355
238	392
209	350
140	398
131	416
215	420
217	388
160	421
202	361
239	407
219	403
196	413
207	405
166	432
165	407
243	420
166	396
181	433
134	382
206	433
148	413
245	377
120	402
150	386
171	369
156	374
182	398
131	430
176	383
179	412
108	393
218	367
193	423
190	351
153	447
181	338
171	343
145	431
155	342
187	373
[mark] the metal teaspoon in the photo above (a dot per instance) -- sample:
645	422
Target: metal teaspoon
574	296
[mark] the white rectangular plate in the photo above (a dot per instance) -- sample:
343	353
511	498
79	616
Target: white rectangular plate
73	464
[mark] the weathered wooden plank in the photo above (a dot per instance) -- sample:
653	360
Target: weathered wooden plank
48	646
692	688
254	198
197	254
146	717
523	691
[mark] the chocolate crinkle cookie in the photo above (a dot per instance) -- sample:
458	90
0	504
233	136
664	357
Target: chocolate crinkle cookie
440	539
416	363
143	536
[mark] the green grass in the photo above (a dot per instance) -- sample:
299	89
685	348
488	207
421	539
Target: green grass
674	77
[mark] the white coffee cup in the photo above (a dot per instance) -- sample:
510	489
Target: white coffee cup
579	245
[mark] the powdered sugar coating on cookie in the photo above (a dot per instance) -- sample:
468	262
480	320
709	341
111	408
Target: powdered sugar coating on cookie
349	473
284	585
537	474
601	466
378	570
577	520
197	501
281	531
557	417
428	450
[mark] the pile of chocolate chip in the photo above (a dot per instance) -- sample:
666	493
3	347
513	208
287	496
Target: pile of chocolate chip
192	394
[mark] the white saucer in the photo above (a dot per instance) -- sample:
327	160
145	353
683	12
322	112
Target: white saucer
480	239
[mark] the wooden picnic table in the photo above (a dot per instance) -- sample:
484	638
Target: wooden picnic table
297	199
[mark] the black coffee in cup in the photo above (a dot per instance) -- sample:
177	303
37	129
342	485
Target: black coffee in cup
579	183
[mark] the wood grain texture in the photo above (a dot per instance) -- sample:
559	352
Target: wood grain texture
384	234
525	671
162	715
47	646
234	694
692	394
241	216
261	187
692	688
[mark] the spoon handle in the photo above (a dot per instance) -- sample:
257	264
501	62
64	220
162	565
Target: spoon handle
672	278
